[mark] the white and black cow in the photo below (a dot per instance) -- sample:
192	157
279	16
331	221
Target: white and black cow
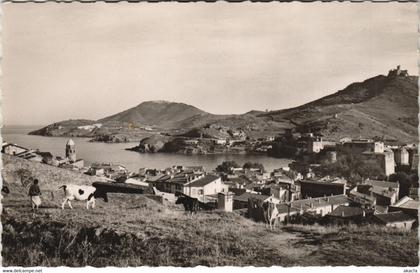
82	193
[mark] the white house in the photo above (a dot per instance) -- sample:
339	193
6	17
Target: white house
207	185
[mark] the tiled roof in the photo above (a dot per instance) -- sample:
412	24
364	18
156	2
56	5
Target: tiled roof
15	145
393	217
321	201
158	178
245	196
241	180
412	204
384	184
361	196
345	211
320	182
380	191
407	203
203	181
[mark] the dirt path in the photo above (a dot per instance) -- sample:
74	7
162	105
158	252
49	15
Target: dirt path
292	245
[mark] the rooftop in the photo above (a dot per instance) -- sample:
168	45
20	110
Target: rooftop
321	201
5	144
384	184
383	192
240	179
394	217
345	211
201	182
70	142
245	196
407	203
321	182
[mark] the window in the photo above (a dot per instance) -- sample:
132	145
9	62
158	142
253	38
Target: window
200	192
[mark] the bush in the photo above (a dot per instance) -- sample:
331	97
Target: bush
352	167
226	166
253	165
173	146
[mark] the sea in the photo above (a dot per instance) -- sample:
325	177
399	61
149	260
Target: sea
92	152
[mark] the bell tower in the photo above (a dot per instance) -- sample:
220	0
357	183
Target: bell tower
71	150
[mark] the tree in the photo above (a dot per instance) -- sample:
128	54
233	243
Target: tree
253	165
226	166
405	182
173	146
353	167
283	148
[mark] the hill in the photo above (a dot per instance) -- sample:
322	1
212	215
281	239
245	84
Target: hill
379	107
161	114
383	106
134	230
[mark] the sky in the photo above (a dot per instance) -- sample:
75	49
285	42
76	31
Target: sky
63	61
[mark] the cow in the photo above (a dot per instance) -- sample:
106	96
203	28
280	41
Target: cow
270	213
81	193
190	204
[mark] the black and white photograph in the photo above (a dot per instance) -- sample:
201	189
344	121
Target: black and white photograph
209	134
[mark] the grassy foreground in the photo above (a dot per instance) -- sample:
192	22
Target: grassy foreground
134	230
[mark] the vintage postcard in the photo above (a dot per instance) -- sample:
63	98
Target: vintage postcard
209	134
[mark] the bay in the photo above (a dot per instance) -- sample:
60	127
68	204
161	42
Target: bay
115	153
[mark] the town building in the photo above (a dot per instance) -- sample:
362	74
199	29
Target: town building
242	201
397	219
375	194
12	149
393	73
314	144
413	157
284	193
317	206
386	193
321	205
361	199
401	156
207	185
320	188
406	205
191	141
194	169
106	169
361	146
346	215
225	201
31	155
172	182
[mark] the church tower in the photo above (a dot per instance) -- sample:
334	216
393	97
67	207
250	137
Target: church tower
71	150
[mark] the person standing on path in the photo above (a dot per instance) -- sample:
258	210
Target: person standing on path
34	194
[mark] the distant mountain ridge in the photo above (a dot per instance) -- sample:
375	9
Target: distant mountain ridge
162	114
382	106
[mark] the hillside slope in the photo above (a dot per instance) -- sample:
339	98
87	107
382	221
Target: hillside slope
134	230
378	107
